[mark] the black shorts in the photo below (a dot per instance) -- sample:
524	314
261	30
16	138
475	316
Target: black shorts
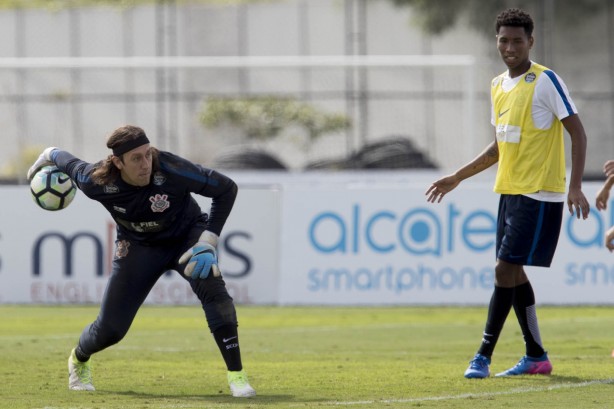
528	230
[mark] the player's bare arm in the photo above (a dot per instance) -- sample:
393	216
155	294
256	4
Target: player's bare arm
576	201
601	201
609	237
484	160
608	167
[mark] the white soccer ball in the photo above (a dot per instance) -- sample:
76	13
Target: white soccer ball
52	189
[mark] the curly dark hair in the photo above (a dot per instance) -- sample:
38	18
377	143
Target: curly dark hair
515	18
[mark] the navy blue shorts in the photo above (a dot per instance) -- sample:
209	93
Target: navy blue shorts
528	230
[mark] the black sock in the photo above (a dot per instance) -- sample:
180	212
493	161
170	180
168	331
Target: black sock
524	306
499	308
81	357
227	339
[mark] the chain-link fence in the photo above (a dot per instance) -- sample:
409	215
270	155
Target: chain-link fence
68	80
304	112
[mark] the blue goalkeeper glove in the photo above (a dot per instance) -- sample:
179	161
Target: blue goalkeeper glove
202	257
44	159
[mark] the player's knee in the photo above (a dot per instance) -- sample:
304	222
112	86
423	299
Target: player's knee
209	291
220	314
509	275
114	337
109	335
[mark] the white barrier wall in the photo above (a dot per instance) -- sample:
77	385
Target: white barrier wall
65	256
366	245
302	242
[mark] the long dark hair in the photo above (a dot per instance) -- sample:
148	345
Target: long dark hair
105	171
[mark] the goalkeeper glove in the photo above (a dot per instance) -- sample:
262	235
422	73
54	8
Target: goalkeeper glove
202	257
44	159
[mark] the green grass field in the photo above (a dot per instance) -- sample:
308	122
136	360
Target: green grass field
307	357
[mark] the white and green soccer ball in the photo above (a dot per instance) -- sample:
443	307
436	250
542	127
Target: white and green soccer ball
52	189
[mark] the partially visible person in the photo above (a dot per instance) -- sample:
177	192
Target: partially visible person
601	202
530	108
608	167
609	239
160	227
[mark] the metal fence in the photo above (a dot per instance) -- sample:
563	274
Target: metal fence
98	83
382	97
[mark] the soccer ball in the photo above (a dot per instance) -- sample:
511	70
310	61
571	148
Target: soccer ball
52	189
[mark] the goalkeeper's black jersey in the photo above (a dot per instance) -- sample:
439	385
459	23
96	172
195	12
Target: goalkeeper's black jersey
164	210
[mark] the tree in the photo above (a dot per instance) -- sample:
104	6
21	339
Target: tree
16	167
64	4
264	117
438	16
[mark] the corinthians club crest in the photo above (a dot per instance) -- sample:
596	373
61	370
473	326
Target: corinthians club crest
159	203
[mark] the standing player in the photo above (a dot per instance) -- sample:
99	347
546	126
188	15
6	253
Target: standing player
530	107
159	227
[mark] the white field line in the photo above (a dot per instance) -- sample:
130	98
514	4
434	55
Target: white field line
409	400
139	332
468	395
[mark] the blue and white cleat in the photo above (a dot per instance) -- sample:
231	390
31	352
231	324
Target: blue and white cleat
530	366
478	367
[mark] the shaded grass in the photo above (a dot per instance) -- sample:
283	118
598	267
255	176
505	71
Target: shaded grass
322	357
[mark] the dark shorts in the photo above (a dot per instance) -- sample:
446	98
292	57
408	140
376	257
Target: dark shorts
528	230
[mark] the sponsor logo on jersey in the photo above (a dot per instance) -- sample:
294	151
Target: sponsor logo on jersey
159	203
111	188
119	209
159	179
146	227
530	77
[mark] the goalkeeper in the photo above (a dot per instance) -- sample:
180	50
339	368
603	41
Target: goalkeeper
160	227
